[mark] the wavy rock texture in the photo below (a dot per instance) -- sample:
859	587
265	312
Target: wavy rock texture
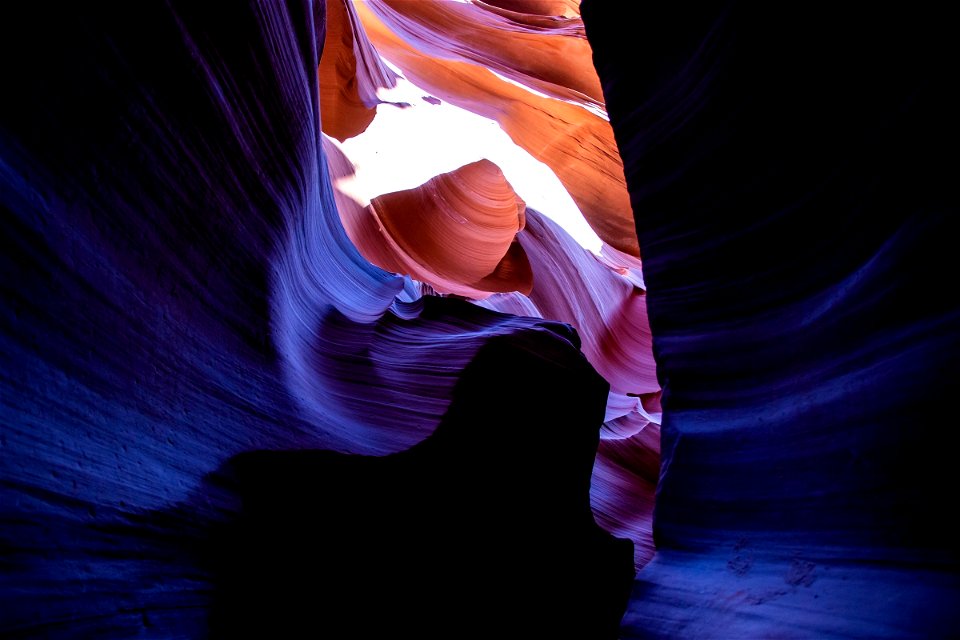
350	72
455	232
427	237
505	69
459	229
182	310
796	220
608	311
606	308
526	9
519	46
218	418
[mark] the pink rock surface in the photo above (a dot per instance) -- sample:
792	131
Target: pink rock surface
350	72
456	232
545	111
603	302
565	8
606	308
467	233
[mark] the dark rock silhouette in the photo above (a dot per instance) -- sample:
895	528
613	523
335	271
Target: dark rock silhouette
796	216
171	256
483	529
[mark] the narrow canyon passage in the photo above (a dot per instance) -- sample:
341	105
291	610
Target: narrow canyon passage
338	318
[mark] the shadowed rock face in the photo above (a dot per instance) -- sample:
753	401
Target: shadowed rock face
455	233
608	309
796	221
460	534
219	419
178	291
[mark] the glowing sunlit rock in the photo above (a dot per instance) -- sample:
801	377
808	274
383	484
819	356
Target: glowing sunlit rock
350	72
572	139
456	232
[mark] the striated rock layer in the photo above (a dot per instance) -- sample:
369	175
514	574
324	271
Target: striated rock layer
182	310
219	419
456	232
349	73
448	233
796	218
505	70
608	310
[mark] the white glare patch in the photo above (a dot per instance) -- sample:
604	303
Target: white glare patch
405	147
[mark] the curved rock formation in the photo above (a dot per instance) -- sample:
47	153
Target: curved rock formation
217	418
350	72
456	232
574	141
792	203
178	290
565	8
504	43
599	297
608	310
624	482
471	523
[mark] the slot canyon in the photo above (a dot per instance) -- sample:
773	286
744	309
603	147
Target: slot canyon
478	319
